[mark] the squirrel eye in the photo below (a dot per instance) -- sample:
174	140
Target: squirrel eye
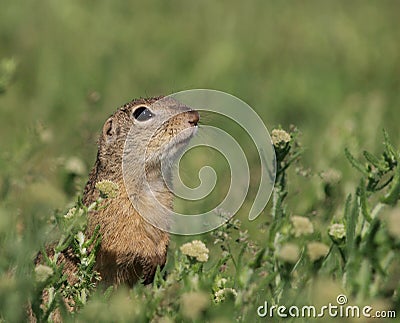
142	114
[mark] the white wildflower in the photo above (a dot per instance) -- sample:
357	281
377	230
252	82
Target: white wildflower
81	238
337	230
108	188
193	303
331	176
75	165
70	213
221	283
317	250
43	272
301	225
195	249
280	138
220	295
289	253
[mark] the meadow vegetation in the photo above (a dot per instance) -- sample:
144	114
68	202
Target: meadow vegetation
332	225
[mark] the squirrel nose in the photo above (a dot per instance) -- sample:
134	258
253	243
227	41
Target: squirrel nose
193	117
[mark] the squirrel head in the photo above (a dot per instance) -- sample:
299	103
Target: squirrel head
144	131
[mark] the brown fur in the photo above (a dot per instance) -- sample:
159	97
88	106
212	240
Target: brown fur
131	248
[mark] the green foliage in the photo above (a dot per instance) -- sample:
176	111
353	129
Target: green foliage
331	68
368	241
51	281
356	256
7	70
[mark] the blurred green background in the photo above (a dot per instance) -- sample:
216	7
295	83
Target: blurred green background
332	68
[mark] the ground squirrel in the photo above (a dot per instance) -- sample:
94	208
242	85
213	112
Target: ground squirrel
131	248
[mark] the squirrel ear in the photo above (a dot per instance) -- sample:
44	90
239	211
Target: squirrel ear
109	130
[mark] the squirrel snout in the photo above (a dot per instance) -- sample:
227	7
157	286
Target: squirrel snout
193	117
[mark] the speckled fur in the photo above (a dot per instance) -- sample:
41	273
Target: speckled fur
131	248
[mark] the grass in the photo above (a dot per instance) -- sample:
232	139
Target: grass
330	68
302	261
